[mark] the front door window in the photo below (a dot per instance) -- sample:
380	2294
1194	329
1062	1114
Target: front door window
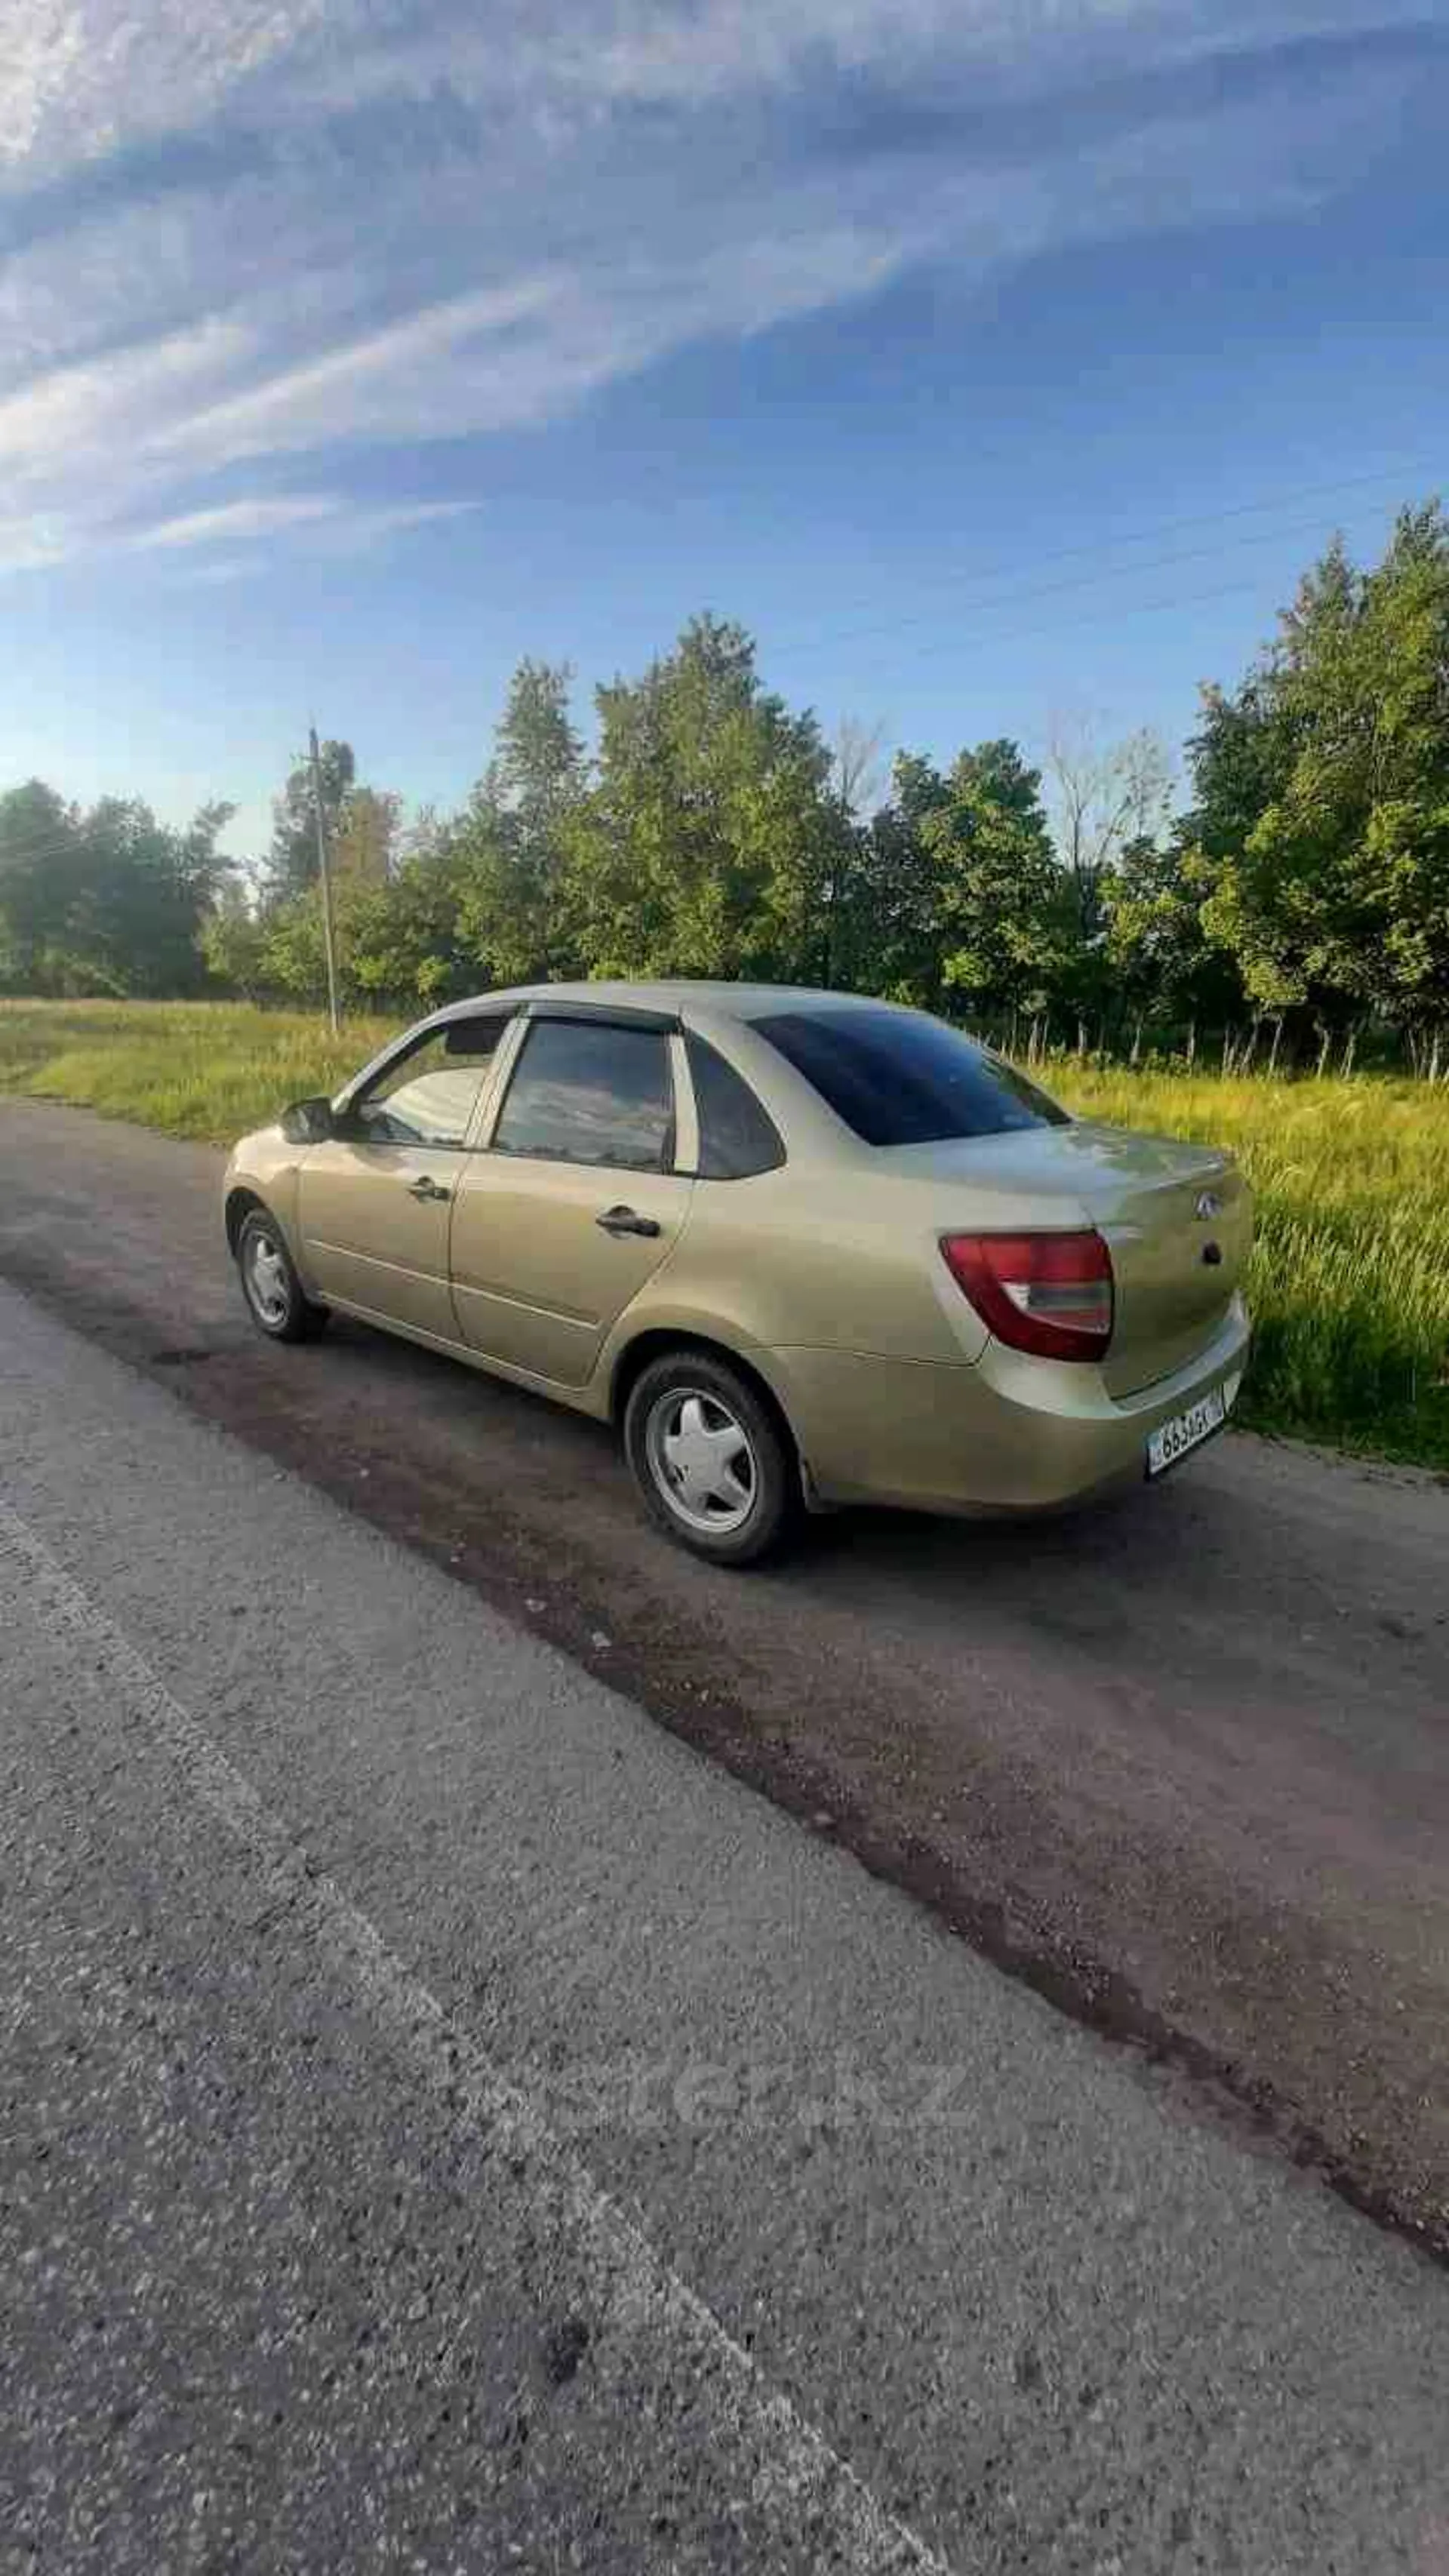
427	1096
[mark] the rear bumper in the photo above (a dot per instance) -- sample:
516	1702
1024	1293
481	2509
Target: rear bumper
1009	1434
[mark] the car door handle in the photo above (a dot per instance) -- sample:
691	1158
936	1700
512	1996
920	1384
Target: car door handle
425	1188
624	1220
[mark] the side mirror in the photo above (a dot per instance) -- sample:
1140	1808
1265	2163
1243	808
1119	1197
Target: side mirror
308	1122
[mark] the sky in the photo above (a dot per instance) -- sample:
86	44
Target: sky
999	363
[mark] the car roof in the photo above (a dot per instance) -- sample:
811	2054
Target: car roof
676	994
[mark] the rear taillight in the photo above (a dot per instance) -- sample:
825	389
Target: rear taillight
1048	1293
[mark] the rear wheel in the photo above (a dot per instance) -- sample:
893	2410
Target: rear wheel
710	1459
276	1300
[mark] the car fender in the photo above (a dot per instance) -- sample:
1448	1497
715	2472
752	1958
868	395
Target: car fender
648	1318
268	1168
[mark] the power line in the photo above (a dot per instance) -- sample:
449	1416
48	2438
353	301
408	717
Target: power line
1056	589
31	850
63	842
1097	546
40	850
998	634
78	836
1134	608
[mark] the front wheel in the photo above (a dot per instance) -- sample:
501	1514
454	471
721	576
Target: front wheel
710	1459
276	1300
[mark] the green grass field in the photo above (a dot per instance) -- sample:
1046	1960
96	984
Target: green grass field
207	1069
1350	1281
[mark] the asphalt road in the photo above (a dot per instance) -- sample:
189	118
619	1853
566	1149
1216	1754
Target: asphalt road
448	2124
1182	1765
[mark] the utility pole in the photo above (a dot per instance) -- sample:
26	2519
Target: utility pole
324	876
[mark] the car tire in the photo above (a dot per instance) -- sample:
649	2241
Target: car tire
712	1460
276	1300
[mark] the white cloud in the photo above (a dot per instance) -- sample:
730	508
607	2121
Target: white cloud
312	522
31	545
329	526
97	406
85	75
234	521
364	527
371	385
244	231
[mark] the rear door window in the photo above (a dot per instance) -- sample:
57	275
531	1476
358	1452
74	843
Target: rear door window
587	1091
897	1079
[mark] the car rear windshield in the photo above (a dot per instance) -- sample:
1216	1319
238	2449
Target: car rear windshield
901	1080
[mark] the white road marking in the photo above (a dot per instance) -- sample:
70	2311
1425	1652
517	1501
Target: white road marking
632	2288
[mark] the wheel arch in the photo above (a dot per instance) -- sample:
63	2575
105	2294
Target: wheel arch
240	1202
657	1339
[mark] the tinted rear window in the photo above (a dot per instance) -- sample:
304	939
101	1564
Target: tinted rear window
903	1081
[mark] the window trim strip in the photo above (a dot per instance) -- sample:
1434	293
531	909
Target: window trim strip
624	1015
686	1110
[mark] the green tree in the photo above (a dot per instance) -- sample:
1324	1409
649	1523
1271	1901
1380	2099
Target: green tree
1004	927
510	847
291	865
42	875
233	944
364	848
404	941
1158	957
293	954
956	899
538	770
1240	759
1336	898
1104	794
151	889
892	930
108	900
888	934
711	843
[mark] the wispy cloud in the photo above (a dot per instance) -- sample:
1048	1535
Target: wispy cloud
240	235
109	399
314	523
235	521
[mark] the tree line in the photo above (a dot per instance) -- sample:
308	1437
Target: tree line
1292	902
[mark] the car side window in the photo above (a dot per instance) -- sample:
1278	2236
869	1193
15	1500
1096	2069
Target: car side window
590	1091
737	1135
427	1096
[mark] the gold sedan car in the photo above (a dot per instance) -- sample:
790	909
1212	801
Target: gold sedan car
805	1249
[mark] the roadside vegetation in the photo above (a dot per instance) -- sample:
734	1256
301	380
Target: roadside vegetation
1285	902
1350	1280
1164	951
208	1070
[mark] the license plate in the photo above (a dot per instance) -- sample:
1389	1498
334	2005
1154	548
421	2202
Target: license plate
1172	1440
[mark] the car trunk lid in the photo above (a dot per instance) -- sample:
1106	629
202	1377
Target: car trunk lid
1179	1225
1177	1218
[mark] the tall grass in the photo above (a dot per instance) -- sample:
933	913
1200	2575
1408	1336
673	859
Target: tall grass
1350	1275
206	1069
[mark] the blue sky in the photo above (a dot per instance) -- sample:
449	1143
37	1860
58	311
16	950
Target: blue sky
994	360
